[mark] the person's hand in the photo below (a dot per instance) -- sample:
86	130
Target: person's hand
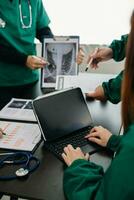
70	154
98	94
35	62
99	135
80	56
99	55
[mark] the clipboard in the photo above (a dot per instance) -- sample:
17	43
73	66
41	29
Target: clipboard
61	53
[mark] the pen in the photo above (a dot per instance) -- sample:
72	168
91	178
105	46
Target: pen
91	60
2	132
88	64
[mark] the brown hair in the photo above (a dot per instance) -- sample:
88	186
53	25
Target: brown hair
128	81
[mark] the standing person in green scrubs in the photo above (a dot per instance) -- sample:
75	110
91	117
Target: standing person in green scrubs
21	21
86	180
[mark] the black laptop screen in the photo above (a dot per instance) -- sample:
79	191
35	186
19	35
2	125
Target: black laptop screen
62	113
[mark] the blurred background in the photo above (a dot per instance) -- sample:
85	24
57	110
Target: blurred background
97	22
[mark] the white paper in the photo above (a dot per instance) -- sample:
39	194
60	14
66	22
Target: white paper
19	136
87	82
18	109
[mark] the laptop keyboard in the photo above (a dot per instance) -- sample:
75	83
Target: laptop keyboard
76	140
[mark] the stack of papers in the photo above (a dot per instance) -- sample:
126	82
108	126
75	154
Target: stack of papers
20	126
18	109
19	136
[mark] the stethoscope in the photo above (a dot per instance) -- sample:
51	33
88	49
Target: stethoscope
27	160
24	26
21	15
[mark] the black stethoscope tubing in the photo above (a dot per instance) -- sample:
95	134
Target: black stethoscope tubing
26	160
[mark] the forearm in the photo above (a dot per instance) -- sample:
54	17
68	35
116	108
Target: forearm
11	55
114	142
44	32
82	179
112	89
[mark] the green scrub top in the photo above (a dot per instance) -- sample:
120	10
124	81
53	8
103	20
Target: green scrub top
119	48
13	34
112	88
84	180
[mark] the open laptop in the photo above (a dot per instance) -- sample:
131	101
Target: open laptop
64	118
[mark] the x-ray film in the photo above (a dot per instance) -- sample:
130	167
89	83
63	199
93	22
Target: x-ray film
60	53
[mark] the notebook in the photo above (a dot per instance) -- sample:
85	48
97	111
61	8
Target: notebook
64	118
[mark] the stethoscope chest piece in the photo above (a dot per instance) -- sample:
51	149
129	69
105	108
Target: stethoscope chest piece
21	172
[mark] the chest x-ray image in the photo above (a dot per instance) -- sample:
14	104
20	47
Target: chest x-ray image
61	57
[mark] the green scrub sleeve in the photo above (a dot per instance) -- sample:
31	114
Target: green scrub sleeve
113	142
112	89
42	16
82	179
11	55
119	48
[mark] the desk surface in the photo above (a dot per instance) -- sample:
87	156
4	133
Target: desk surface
46	182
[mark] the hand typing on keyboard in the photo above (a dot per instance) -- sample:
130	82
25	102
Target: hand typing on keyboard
99	135
70	154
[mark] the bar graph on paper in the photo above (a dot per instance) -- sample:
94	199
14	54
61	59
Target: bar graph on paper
19	136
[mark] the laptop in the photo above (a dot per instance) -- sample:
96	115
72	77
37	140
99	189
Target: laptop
64	118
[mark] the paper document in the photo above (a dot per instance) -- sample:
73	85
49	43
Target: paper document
18	109
87	82
19	136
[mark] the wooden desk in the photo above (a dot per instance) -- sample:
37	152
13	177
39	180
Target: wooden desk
46	182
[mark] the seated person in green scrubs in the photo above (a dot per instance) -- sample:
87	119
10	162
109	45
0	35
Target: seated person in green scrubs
20	23
117	51
86	180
